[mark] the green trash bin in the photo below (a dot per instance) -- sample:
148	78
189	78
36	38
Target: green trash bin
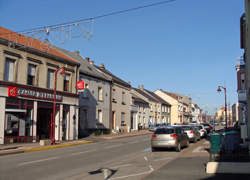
215	143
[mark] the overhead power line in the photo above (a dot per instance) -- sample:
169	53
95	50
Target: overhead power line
99	16
64	32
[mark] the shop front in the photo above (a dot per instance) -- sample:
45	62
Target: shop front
27	115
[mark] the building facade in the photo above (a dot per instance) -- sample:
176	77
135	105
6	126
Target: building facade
120	102
139	113
94	99
153	110
28	75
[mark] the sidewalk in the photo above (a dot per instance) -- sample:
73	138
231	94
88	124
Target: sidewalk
16	148
190	168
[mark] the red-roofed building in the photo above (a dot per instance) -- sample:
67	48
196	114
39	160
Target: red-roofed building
27	78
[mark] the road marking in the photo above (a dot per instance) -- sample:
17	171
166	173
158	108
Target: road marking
151	168
78	153
163	159
108	147
146	159
121	177
133	142
37	161
147	149
199	149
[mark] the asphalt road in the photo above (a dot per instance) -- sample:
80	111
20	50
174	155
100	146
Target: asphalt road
126	158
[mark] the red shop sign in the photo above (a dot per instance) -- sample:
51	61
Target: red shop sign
12	91
80	85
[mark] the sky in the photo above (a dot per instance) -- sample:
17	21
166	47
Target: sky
184	46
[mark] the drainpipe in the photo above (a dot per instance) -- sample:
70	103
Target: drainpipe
110	106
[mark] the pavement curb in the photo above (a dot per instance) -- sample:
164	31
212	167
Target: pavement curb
57	146
228	168
121	136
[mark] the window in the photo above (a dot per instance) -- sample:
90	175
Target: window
113	95
242	78
31	74
151	108
100	94
123	119
66	82
123	97
9	69
50	79
100	116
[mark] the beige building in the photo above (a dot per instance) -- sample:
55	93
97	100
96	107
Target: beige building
180	106
28	69
153	111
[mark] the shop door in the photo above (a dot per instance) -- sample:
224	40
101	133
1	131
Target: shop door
44	117
64	123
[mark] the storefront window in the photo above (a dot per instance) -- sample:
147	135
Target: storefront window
18	120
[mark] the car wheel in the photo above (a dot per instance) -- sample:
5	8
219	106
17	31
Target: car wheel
178	148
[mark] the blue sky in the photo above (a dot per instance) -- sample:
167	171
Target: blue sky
187	46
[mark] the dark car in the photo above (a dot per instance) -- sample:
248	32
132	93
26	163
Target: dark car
208	127
170	137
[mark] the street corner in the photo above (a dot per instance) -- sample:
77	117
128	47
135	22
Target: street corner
49	147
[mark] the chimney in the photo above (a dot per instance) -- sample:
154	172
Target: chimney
129	82
87	59
102	66
92	62
77	53
141	87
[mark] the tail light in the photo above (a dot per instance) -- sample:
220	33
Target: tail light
191	132
173	136
153	136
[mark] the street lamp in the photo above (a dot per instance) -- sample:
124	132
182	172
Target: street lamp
54	104
225	91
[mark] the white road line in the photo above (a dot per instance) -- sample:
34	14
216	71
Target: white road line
108	147
124	165
163	159
151	168
78	153
146	159
37	161
133	142
199	149
121	177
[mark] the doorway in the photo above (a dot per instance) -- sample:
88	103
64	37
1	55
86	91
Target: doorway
113	120
44	117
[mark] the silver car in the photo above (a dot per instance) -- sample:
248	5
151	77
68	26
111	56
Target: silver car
170	137
192	132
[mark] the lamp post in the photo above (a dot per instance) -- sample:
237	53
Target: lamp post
54	104
225	91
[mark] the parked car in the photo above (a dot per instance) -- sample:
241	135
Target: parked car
193	133
208	127
201	129
170	137
154	127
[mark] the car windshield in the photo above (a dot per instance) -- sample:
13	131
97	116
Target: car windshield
164	131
